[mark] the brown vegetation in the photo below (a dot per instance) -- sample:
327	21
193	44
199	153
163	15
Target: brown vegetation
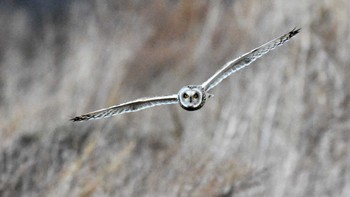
280	127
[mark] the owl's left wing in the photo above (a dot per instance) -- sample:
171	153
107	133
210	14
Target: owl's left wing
246	59
131	106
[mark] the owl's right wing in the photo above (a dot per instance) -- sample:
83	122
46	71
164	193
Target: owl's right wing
246	59
131	106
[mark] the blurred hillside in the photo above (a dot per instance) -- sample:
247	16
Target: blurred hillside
280	127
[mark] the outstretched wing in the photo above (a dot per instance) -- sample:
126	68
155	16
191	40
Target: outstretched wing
246	59
131	106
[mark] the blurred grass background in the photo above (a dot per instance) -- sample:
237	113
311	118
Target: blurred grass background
280	127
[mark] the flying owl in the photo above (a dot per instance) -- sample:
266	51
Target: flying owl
191	97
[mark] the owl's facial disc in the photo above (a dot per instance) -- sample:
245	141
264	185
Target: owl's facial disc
191	97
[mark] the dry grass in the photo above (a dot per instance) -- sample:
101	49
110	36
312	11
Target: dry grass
278	128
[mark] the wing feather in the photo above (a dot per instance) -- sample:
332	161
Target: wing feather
246	59
131	106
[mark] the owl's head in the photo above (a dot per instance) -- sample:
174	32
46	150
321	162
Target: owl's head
192	97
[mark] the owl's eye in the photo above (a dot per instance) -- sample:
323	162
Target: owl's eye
195	95
185	95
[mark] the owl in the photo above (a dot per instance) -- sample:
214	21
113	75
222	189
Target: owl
191	97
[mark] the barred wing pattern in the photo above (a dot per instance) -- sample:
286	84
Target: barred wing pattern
246	59
131	106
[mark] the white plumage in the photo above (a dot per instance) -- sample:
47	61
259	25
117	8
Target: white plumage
191	97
